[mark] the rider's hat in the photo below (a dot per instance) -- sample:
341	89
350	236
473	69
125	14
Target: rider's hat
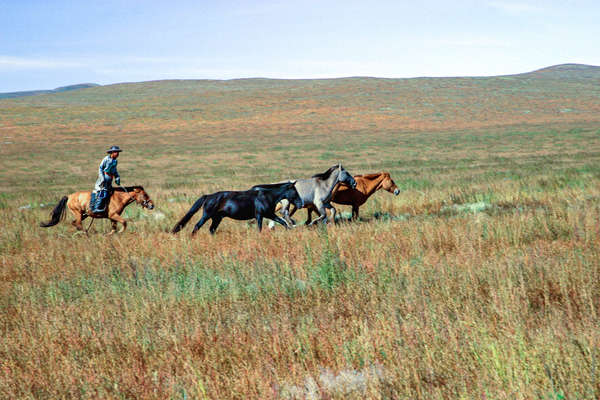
113	149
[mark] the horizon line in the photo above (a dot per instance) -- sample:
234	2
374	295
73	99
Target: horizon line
93	84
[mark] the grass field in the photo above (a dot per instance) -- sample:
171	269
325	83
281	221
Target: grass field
480	280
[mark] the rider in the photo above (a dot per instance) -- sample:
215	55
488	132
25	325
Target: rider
103	188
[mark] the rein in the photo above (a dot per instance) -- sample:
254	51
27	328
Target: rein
132	198
90	225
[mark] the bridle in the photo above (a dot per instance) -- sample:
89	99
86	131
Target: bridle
144	203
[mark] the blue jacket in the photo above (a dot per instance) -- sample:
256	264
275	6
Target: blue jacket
106	172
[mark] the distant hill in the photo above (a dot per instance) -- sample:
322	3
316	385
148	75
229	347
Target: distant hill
560	72
11	95
561	94
569	71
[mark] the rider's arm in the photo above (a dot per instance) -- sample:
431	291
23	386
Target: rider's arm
117	176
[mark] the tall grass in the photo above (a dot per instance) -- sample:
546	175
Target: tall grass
480	280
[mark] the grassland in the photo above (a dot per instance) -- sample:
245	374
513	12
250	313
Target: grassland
480	280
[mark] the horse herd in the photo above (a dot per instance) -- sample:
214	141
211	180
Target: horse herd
260	201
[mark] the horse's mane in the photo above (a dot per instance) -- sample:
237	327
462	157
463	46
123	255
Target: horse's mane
128	188
268	186
326	174
371	176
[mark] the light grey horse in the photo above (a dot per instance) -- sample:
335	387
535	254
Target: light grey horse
317	192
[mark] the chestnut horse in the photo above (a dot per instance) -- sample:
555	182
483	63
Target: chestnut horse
79	204
366	185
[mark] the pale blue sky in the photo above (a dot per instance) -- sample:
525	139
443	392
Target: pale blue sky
51	43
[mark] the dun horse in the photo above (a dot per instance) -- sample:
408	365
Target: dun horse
79	204
259	202
316	192
366	185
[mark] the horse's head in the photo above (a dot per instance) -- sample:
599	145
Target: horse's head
388	184
292	194
345	177
141	197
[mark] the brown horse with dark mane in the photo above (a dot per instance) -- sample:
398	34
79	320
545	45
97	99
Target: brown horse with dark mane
79	204
366	185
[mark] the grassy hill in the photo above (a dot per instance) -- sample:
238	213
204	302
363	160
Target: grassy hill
12	95
480	279
569	71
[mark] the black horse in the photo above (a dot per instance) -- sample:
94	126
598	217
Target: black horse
258	202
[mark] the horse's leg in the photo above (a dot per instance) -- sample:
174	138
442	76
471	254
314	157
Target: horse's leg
279	220
259	219
285	211
117	218
77	222
205	217
78	214
333	211
320	209
216	220
113	225
309	211
294	209
288	219
354	212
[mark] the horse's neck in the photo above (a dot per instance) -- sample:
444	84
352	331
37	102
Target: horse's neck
274	198
334	179
277	198
330	184
370	186
124	198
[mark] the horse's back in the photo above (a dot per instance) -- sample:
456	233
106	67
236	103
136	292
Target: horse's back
79	200
306	188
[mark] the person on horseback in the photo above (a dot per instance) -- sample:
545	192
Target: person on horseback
103	188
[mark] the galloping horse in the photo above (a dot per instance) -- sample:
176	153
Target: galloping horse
79	204
316	192
366	185
258	202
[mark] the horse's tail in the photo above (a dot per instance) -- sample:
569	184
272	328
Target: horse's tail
186	218
57	214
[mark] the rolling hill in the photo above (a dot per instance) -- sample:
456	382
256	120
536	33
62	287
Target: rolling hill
558	94
12	95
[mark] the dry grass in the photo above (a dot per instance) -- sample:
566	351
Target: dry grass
480	280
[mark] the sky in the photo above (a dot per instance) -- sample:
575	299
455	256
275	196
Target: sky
46	44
